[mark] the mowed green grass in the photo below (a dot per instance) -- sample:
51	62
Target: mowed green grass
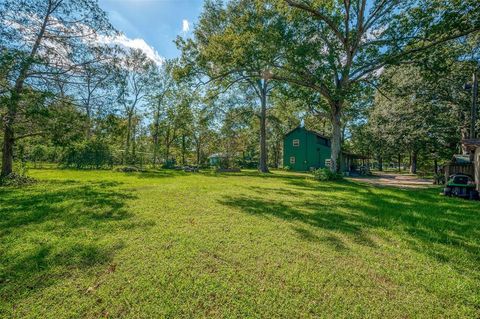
164	244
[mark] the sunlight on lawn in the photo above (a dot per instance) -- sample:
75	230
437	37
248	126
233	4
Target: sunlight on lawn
172	244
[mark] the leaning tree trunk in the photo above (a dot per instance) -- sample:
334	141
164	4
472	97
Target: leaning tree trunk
7	155
336	136
263	130
9	135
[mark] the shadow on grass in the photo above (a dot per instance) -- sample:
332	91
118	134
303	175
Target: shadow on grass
443	228
51	229
168	173
161	173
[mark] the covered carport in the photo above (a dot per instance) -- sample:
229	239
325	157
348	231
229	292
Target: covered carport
472	146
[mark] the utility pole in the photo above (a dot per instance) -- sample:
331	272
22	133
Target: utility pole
474	104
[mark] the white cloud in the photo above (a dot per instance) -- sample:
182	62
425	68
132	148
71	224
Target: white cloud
124	41
379	72
185	25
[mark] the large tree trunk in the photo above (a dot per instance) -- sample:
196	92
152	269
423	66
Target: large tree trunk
9	135
336	136
344	128
262	167
399	162
413	165
380	163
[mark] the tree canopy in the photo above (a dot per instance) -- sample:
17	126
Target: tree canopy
384	79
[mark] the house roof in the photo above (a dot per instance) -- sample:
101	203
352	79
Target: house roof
461	159
217	155
309	131
471	143
327	138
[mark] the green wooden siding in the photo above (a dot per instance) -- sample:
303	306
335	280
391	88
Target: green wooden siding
312	150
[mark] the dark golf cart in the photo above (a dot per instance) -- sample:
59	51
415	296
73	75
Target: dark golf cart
461	185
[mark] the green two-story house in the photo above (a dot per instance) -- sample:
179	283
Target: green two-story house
304	150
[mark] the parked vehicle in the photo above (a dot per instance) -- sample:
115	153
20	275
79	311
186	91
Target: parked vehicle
461	185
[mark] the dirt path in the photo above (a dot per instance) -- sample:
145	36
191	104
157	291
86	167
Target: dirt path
395	180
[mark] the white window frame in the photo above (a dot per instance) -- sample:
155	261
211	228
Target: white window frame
292	160
296	142
328	162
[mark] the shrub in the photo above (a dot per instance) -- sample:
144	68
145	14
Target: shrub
169	164
365	171
89	154
127	169
245	163
16	180
439	178
325	174
223	162
38	153
287	168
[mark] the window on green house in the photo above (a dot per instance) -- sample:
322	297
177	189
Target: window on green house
296	142
292	160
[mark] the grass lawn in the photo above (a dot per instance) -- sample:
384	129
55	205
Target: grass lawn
170	244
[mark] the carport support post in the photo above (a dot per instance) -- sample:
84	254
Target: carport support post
474	105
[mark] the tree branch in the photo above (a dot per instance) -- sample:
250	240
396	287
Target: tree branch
317	14
358	74
29	135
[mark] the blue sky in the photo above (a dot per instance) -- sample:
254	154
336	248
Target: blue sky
157	22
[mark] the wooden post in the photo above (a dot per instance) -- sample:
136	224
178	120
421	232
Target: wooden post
473	120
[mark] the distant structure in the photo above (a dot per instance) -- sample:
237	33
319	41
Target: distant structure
304	150
217	159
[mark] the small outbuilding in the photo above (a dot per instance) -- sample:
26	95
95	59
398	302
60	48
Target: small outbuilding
304	150
217	159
